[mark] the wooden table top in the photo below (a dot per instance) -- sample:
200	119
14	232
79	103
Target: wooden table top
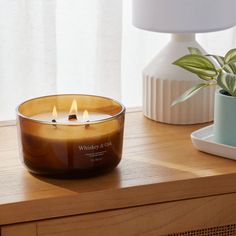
159	164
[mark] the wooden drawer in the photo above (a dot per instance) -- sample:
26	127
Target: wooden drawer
24	229
189	216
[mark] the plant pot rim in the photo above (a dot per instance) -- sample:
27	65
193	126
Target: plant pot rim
219	93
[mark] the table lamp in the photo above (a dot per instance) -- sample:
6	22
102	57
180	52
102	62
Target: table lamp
163	82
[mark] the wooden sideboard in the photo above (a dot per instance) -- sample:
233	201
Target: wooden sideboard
163	186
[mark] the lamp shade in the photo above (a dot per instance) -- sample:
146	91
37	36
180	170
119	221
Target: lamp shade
184	16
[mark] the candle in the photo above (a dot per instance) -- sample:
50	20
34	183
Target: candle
53	143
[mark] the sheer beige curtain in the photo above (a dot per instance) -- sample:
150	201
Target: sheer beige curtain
78	46
27	52
89	37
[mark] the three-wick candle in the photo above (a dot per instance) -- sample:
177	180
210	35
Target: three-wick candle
71	135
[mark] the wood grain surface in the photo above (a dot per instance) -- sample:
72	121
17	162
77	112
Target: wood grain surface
155	219
159	164
25	229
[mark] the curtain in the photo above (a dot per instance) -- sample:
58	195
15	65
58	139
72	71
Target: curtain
89	37
77	46
27	52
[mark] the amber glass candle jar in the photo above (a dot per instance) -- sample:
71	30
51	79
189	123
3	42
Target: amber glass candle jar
70	135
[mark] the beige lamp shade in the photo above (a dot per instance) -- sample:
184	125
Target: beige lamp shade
184	16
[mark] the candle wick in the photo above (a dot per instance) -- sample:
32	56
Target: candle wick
87	125
54	121
72	117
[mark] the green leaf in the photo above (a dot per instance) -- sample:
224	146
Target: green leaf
227	68
230	55
207	78
189	93
197	64
195	51
219	59
232	66
227	82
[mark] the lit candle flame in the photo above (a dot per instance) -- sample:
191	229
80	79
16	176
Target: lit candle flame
85	116
73	111
54	112
73	108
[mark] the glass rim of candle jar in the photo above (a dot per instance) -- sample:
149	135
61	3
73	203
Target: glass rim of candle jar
112	117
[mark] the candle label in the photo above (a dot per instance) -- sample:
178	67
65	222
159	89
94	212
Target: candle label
95	152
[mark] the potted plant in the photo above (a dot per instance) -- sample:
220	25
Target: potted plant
221	74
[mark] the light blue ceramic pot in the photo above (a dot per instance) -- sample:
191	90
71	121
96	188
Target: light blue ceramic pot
225	119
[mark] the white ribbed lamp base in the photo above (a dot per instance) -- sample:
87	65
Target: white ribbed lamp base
164	82
158	95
